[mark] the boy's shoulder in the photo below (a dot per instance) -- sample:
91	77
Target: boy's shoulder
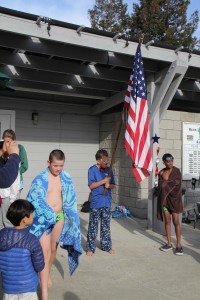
31	237
30	242
65	173
17	238
92	168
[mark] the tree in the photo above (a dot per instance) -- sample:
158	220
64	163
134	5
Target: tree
165	21
109	15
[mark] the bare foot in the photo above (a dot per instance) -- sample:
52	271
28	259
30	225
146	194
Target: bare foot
111	251
88	253
49	282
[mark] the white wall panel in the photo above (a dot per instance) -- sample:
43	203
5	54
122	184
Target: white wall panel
76	135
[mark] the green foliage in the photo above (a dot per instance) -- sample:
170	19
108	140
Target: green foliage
109	15
161	20
165	21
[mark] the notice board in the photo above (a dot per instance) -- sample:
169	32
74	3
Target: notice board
191	150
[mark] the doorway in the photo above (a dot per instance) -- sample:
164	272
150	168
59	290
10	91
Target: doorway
7	120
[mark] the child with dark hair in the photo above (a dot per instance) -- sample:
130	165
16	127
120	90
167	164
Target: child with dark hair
169	203
21	256
100	178
56	154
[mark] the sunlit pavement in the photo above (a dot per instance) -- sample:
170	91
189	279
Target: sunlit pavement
138	269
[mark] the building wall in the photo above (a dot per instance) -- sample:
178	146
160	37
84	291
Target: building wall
77	135
80	135
133	195
171	141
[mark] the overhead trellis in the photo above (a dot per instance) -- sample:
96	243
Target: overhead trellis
4	82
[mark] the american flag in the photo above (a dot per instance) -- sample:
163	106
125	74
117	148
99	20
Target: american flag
137	138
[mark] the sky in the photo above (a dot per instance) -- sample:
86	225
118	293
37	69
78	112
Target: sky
70	11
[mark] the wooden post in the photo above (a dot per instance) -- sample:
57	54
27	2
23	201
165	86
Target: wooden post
114	151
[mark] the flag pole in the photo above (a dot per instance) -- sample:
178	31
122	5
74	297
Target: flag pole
114	149
141	38
119	130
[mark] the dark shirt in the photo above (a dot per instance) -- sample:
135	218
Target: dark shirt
9	170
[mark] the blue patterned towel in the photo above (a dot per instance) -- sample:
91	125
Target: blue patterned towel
45	217
120	212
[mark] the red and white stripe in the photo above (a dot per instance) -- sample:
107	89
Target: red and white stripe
137	139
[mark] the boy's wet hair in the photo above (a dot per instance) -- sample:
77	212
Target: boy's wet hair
56	154
167	157
100	153
18	210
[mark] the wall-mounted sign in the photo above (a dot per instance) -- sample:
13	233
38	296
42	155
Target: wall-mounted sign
191	150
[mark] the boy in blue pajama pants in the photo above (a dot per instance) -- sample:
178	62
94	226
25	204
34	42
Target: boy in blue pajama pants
100	205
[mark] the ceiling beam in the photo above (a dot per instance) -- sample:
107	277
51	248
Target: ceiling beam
190	85
62	79
167	88
23	44
46	88
108	103
94	41
41	105
46	47
186	96
185	105
62	66
193	72
180	72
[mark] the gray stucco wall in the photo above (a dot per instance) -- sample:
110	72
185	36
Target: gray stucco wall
128	192
77	135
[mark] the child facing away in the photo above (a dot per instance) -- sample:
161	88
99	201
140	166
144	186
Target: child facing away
21	256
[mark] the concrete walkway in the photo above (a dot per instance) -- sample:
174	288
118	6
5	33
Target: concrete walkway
138	270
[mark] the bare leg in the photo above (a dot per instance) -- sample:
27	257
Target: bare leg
49	246
177	226
168	227
55	234
88	253
45	242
